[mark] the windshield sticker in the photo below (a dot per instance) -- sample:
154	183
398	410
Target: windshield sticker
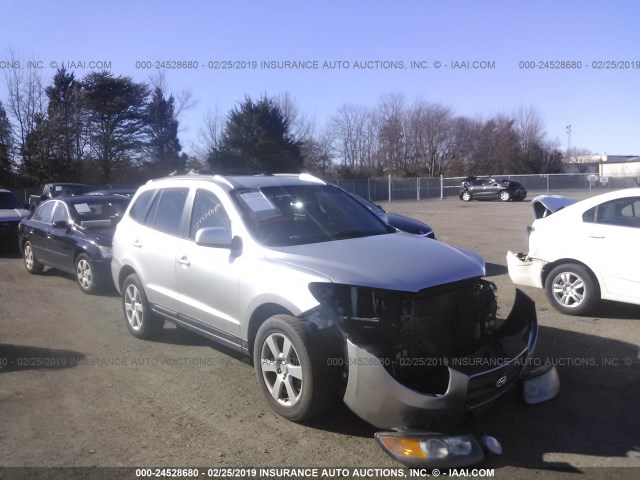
257	202
58	188
82	208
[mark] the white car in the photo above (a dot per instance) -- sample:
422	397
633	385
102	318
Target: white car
581	252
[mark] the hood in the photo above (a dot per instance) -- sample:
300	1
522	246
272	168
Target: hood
7	214
395	261
544	205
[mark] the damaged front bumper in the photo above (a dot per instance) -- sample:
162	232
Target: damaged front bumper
375	396
378	398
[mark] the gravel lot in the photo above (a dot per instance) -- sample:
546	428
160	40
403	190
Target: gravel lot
77	390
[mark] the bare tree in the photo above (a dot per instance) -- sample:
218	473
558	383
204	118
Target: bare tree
26	104
354	132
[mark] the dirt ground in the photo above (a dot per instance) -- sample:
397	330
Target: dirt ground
77	390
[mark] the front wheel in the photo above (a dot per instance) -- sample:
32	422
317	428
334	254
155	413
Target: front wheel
571	289
140	320
85	274
292	369
465	196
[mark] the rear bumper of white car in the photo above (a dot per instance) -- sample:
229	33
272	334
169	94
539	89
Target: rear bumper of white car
524	270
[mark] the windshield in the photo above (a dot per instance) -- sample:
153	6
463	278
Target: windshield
296	215
100	209
9	201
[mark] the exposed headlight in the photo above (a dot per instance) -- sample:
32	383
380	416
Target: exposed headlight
360	304
430	450
105	251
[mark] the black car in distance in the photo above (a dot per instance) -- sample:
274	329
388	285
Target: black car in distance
489	188
73	234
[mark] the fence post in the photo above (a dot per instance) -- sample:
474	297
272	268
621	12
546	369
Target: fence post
418	188
547	183
441	187
369	189
389	188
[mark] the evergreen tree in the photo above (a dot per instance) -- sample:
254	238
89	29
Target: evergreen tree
161	129
257	136
115	108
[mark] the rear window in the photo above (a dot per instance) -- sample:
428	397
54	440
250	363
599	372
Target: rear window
165	213
9	201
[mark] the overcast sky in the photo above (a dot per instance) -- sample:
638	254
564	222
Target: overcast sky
602	105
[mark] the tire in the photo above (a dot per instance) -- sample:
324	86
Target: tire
572	289
85	274
292	369
504	195
30	262
465	196
140	320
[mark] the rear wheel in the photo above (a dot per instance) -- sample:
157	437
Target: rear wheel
292	369
571	289
505	196
30	261
140	320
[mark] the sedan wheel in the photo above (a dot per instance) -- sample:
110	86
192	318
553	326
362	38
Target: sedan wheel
572	289
281	370
140	320
84	274
292	368
505	196
466	196
30	262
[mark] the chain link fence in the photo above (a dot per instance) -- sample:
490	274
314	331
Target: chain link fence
420	188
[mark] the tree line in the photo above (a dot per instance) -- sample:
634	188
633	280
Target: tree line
106	129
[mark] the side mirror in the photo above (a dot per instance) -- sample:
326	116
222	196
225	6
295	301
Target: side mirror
217	237
61	224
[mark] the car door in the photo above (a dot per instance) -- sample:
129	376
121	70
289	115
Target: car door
612	231
39	230
155	243
207	275
60	238
481	188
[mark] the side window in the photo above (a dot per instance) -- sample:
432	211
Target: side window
43	214
139	209
170	207
207	212
623	212
60	214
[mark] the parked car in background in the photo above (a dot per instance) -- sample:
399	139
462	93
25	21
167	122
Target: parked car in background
12	211
581	252
52	190
402	223
330	301
489	188
73	234
127	192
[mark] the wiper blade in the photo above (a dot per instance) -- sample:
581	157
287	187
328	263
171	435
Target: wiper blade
349	234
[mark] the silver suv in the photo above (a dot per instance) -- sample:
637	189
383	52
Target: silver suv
327	299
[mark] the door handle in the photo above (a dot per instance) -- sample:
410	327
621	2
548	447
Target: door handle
183	260
596	235
136	243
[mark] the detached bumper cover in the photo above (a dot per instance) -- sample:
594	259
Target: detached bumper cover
378	398
524	271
